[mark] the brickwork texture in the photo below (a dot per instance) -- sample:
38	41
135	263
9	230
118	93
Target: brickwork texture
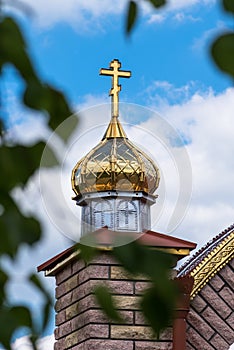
211	317
81	324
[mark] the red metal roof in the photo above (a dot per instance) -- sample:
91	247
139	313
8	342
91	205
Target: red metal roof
56	259
106	237
156	239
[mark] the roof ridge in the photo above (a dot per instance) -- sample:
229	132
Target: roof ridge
204	251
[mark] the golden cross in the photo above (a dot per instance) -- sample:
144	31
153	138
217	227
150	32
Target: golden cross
116	88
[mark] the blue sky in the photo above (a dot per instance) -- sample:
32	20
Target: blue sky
172	73
174	49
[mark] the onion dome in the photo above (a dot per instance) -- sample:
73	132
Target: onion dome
115	164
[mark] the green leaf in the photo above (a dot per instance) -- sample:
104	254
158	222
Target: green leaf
105	300
138	259
222	51
2	127
33	338
131	16
3	281
45	98
59	109
15	228
38	96
157	3
18	163
87	251
130	256
11	319
157	309
14	50
228	5
22	316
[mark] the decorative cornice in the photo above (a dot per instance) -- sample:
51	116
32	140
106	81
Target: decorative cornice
196	258
209	260
215	261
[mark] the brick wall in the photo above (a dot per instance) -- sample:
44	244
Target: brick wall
211	317
81	324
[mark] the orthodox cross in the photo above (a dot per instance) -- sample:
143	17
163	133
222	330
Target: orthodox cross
116	88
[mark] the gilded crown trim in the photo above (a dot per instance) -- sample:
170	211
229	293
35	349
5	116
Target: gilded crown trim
212	263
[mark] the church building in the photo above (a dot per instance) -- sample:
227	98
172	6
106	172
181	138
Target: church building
115	185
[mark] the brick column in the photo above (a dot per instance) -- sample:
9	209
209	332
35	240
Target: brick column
81	325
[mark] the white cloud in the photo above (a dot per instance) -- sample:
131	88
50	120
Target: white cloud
182	17
178	11
206	121
156	18
201	43
179	17
81	14
23	125
23	343
160	92
86	15
182	4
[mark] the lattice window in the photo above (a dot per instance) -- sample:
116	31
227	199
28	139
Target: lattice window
103	214
127	216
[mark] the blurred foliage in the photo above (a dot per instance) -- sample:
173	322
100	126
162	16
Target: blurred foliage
132	13
133	10
223	53
18	163
228	5
105	300
222	49
12	318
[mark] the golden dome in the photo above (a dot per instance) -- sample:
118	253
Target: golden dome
115	164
